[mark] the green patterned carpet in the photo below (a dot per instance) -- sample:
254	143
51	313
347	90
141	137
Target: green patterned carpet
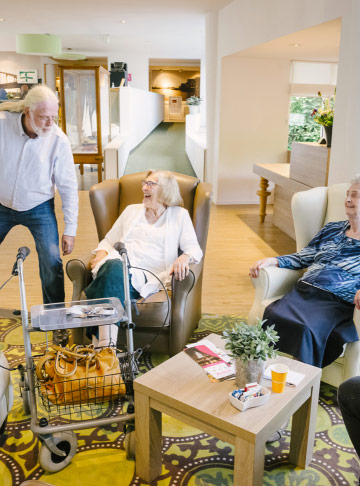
190	457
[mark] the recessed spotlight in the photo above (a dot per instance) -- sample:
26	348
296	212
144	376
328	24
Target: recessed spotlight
2	19
123	21
295	45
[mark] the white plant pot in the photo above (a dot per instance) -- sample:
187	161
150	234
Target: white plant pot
194	109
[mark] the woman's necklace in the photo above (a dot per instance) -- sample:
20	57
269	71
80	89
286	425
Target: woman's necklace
152	217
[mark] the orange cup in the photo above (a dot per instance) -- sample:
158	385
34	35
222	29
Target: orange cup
279	373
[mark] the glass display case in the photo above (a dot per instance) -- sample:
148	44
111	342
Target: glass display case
85	113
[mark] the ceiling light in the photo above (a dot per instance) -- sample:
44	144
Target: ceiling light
38	44
2	19
123	21
295	45
70	56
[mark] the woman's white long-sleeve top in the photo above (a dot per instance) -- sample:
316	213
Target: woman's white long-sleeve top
179	235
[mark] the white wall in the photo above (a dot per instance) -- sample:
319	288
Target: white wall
10	62
138	67
345	148
243	24
140	112
253	124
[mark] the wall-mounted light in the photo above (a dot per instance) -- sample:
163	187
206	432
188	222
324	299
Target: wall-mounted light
2	19
38	44
295	45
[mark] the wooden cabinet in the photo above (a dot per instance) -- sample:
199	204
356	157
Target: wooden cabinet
85	115
309	163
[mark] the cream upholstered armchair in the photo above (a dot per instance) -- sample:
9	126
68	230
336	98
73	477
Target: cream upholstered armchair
311	210
108	199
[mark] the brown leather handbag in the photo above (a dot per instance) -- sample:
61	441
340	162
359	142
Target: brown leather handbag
80	375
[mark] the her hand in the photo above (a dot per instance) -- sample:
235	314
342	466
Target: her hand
99	256
357	299
265	262
180	267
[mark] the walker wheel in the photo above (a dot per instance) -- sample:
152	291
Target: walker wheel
51	462
130	442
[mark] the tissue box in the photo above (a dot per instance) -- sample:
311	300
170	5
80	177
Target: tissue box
251	402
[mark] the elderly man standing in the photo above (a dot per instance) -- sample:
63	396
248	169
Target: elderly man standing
36	157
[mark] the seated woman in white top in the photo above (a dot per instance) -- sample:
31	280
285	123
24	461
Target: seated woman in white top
154	233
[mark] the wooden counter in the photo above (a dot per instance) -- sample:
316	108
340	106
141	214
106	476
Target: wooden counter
309	167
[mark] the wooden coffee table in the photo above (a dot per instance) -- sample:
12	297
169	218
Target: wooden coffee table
180	388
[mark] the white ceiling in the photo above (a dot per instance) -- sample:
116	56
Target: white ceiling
318	43
161	28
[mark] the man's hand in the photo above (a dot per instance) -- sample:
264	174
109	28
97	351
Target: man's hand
180	267
357	299
99	256
67	244
265	262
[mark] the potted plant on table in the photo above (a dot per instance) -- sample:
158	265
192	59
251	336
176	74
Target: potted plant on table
194	104
325	116
250	346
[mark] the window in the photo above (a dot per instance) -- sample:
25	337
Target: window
302	127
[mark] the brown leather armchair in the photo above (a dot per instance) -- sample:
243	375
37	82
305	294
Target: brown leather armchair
108	199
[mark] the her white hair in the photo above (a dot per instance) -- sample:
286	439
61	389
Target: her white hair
169	191
356	179
38	95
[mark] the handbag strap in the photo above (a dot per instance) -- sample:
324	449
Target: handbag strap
81	352
40	372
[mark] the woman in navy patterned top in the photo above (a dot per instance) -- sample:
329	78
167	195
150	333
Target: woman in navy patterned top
315	319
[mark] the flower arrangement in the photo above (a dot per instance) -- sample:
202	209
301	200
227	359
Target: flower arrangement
194	100
325	115
251	342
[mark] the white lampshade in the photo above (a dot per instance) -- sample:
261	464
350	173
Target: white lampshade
38	44
70	56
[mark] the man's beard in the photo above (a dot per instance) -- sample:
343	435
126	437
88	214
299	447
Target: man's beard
40	132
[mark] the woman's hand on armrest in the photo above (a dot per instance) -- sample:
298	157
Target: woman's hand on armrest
180	267
99	256
265	262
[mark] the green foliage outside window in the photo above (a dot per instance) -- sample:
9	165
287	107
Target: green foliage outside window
303	129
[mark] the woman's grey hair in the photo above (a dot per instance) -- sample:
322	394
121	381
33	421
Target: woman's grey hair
169	191
37	95
356	179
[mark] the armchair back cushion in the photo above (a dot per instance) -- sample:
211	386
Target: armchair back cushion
314	208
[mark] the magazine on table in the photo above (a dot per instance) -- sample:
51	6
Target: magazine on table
216	363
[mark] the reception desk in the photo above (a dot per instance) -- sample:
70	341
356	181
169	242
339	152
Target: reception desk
308	167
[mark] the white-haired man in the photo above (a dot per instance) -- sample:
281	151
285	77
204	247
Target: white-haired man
35	156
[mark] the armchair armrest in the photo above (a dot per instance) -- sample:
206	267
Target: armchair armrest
185	308
271	282
79	272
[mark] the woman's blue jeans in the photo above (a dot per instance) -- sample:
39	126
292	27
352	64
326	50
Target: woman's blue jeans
42	224
109	282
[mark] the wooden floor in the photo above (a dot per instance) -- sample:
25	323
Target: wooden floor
236	239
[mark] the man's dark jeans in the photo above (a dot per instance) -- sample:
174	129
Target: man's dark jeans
42	224
349	403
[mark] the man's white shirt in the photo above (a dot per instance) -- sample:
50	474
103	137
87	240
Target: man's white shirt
32	168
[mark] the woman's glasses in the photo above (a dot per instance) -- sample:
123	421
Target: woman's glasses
149	183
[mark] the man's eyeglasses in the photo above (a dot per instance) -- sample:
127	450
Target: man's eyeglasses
149	183
53	119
